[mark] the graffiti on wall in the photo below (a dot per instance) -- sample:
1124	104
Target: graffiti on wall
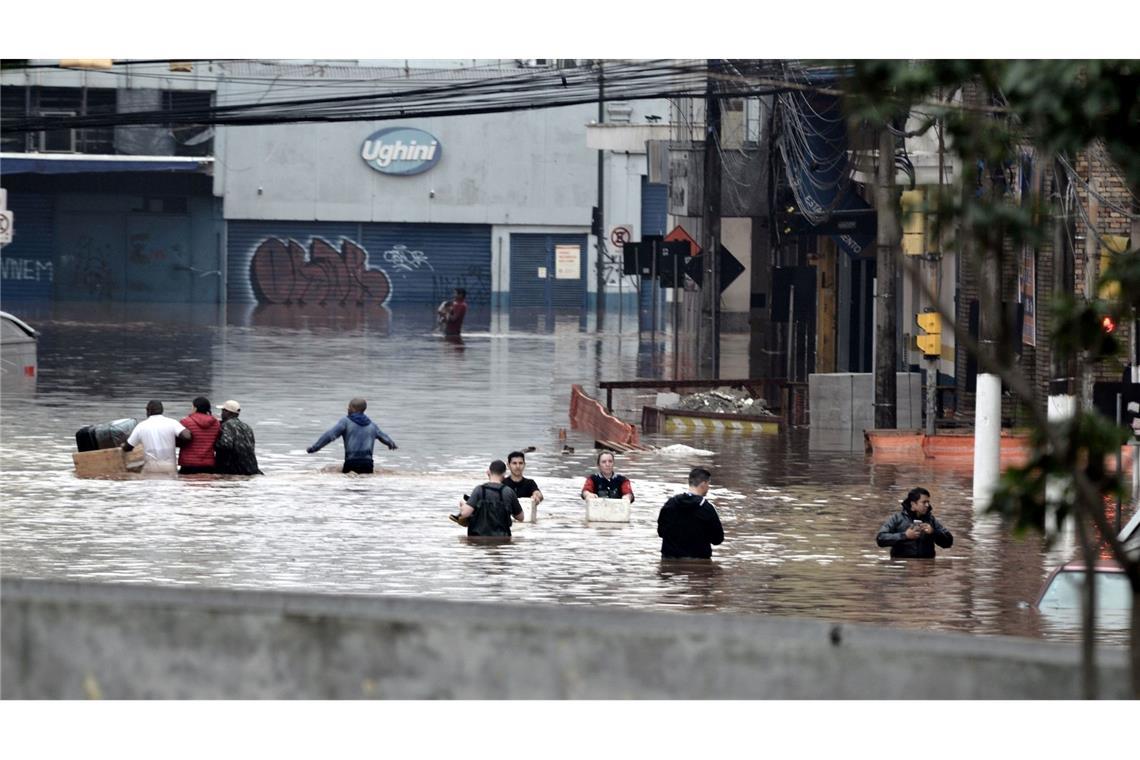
476	281
90	268
34	270
401	257
283	272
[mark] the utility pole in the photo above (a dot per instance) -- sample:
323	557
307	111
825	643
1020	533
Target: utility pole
1064	276
709	333
1062	402
886	266
987	401
600	305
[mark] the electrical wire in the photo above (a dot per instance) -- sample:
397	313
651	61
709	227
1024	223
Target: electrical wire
546	88
1088	186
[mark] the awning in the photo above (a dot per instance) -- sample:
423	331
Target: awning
74	163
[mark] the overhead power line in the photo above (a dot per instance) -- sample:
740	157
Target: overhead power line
529	89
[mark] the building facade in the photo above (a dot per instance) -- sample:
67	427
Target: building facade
308	214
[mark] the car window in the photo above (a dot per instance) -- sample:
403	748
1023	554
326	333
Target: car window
1112	591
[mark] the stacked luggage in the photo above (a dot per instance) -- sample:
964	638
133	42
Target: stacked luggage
107	436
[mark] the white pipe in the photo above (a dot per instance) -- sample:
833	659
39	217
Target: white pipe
987	439
1058	488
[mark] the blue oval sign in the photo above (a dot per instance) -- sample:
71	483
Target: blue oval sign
401	150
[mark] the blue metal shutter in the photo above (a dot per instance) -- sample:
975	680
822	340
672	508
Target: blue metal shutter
426	262
654	207
529	252
27	265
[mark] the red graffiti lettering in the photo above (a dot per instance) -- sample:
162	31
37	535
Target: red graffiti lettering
282	273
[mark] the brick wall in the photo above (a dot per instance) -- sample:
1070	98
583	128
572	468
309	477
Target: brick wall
1036	361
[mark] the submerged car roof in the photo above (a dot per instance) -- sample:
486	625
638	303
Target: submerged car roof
1130	534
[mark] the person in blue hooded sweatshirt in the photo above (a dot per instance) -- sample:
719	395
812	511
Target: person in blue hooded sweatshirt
360	435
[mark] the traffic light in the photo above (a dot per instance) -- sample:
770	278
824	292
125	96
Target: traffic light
596	221
930	344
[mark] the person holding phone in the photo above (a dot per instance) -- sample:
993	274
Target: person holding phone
913	531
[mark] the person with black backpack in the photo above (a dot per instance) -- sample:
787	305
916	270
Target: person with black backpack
490	507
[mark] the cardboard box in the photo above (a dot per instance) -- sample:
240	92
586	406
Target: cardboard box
607	510
108	463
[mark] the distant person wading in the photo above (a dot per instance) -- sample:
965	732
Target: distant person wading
360	435
451	313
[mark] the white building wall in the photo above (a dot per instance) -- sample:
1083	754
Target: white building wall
524	168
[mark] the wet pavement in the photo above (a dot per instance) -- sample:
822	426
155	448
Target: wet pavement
800	523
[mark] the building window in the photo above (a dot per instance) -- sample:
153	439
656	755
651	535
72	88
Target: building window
57	140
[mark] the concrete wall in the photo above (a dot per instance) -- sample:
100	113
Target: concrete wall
85	640
846	400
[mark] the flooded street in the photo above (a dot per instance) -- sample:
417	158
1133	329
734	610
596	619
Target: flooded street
800	524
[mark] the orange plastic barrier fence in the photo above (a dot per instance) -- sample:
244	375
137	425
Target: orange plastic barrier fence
589	415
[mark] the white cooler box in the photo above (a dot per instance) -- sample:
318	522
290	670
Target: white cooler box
607	510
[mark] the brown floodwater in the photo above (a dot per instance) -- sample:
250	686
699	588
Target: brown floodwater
800	522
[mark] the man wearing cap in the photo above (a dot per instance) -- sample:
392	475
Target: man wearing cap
159	436
360	436
234	449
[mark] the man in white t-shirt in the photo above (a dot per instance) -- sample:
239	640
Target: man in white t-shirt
159	437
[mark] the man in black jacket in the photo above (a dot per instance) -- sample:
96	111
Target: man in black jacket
688	524
913	531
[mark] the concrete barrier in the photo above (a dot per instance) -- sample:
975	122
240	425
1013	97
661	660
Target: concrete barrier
68	640
846	400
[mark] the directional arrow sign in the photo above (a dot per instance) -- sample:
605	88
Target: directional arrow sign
730	268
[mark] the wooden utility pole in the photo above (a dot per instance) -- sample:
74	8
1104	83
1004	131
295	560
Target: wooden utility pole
709	342
886	265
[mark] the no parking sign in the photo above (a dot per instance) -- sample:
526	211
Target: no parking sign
620	234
